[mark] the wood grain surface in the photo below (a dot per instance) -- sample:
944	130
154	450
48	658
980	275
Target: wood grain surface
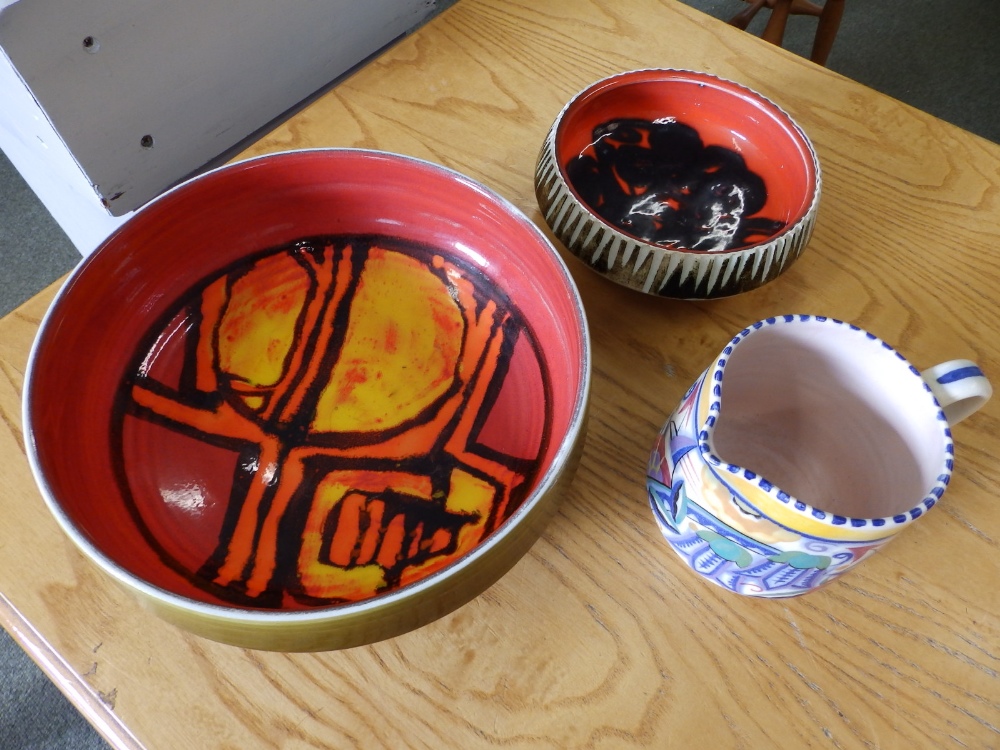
601	637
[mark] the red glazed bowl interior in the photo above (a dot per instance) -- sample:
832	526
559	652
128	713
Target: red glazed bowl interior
163	485
723	114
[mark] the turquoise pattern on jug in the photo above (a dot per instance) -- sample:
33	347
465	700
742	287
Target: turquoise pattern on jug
719	532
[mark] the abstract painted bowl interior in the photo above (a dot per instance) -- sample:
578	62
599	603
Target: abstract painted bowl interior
685	160
306	380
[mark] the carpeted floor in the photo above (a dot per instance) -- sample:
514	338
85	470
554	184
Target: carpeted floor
34	250
940	57
33	713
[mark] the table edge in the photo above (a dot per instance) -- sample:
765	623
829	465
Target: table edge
78	692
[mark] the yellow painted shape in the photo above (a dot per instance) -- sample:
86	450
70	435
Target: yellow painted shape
401	348
469	495
321	579
714	497
258	327
254	402
352	584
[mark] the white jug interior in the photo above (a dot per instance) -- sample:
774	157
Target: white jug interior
831	416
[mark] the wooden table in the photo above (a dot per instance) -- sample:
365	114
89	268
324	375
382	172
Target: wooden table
600	637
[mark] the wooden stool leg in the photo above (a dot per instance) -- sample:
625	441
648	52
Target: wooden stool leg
826	32
774	32
806	7
742	19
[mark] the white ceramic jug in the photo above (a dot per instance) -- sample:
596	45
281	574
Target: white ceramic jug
808	444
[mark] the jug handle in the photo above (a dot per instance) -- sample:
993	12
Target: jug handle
959	386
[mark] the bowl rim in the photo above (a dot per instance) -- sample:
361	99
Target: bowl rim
613	80
235	614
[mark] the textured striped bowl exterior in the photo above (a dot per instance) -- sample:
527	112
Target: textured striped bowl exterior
659	270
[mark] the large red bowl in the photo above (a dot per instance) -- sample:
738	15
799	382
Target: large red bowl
311	400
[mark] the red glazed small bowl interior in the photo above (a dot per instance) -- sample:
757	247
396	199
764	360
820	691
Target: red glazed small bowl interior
305	380
724	114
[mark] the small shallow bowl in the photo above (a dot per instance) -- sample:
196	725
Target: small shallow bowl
311	400
679	183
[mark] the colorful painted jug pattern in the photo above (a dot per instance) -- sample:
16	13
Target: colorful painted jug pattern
830	411
722	536
341	416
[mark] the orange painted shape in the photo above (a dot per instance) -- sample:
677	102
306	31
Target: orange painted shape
392	542
415	542
348	528
440	540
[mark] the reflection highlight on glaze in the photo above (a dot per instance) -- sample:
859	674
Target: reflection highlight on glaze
188	497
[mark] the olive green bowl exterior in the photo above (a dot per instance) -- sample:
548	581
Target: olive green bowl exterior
379	618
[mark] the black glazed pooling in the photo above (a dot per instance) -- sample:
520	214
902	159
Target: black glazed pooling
657	181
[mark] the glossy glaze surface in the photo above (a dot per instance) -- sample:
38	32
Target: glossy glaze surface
694	111
329	421
678	183
659	182
307	380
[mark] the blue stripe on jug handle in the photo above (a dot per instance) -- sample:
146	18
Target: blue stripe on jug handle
959	387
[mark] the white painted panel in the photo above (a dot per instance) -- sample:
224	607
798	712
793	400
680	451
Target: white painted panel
196	76
39	154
